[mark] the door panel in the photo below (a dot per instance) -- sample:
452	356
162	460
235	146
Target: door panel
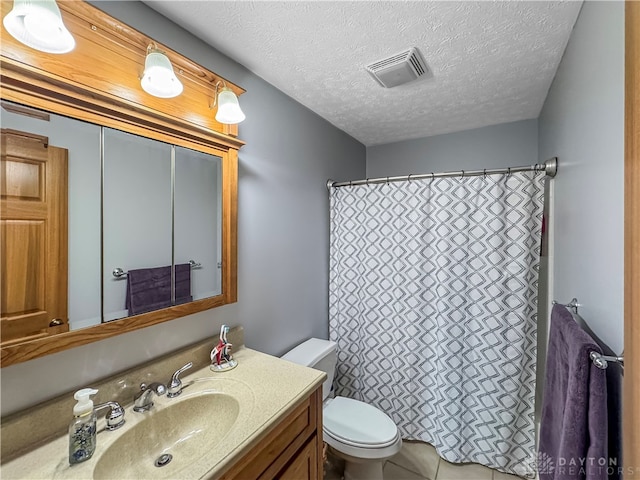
33	236
24	266
30	175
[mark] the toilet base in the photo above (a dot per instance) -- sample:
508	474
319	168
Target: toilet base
357	468
369	470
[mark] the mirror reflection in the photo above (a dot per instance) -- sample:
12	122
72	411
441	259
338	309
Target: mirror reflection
198	220
137	224
135	204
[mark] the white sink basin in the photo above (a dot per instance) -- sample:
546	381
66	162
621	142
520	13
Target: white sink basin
170	437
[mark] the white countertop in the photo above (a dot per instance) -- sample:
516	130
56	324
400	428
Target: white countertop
267	389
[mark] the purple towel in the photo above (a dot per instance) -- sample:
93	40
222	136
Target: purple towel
614	405
149	289
573	431
183	283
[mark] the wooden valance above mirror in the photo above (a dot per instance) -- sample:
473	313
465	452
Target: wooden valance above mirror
99	82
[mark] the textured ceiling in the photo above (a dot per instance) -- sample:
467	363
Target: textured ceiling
493	62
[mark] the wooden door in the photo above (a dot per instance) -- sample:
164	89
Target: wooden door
33	237
631	402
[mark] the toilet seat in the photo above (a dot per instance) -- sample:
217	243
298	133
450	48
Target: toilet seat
358	424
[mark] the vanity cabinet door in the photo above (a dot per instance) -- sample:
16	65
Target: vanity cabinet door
304	465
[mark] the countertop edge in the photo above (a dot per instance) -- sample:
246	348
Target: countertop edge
261	432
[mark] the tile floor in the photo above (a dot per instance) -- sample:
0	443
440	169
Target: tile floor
420	461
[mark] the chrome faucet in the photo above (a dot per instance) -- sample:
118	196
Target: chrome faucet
142	401
175	385
115	415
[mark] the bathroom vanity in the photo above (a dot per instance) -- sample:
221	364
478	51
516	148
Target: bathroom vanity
261	420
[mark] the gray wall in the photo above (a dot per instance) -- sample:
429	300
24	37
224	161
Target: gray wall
282	233
504	145
582	122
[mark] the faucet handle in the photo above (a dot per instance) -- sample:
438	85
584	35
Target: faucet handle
115	416
159	388
175	385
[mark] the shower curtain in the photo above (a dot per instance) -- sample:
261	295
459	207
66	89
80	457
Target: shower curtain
433	304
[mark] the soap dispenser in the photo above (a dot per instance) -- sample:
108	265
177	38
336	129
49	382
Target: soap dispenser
82	430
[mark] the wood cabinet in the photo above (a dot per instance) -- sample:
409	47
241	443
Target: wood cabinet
291	450
304	465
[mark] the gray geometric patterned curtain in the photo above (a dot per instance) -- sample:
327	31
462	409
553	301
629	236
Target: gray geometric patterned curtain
433	290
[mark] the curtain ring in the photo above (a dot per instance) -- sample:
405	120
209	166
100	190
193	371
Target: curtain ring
351	183
387	180
433	175
509	171
484	173
367	182
462	176
409	177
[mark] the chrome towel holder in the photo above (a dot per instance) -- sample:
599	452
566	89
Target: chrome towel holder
599	360
120	273
602	361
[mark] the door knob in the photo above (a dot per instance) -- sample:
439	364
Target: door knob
55	322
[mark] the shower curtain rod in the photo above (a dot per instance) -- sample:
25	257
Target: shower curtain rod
550	167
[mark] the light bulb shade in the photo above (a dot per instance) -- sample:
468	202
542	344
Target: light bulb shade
228	107
38	24
158	78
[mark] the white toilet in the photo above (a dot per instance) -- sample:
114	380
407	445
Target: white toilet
357	432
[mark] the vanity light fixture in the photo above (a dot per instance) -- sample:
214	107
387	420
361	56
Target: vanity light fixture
229	111
158	78
38	24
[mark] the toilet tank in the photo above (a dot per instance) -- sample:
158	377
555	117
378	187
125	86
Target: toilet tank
318	354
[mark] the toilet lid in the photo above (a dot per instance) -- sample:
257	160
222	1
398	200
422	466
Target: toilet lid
358	424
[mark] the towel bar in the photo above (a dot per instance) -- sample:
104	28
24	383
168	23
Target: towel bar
599	360
602	361
573	304
120	273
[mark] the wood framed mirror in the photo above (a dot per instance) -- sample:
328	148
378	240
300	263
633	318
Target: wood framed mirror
98	83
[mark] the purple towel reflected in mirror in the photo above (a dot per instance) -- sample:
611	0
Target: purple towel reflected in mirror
183	283
149	289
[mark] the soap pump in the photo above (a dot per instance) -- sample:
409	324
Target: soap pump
82	430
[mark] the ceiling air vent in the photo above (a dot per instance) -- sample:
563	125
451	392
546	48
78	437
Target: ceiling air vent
400	68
